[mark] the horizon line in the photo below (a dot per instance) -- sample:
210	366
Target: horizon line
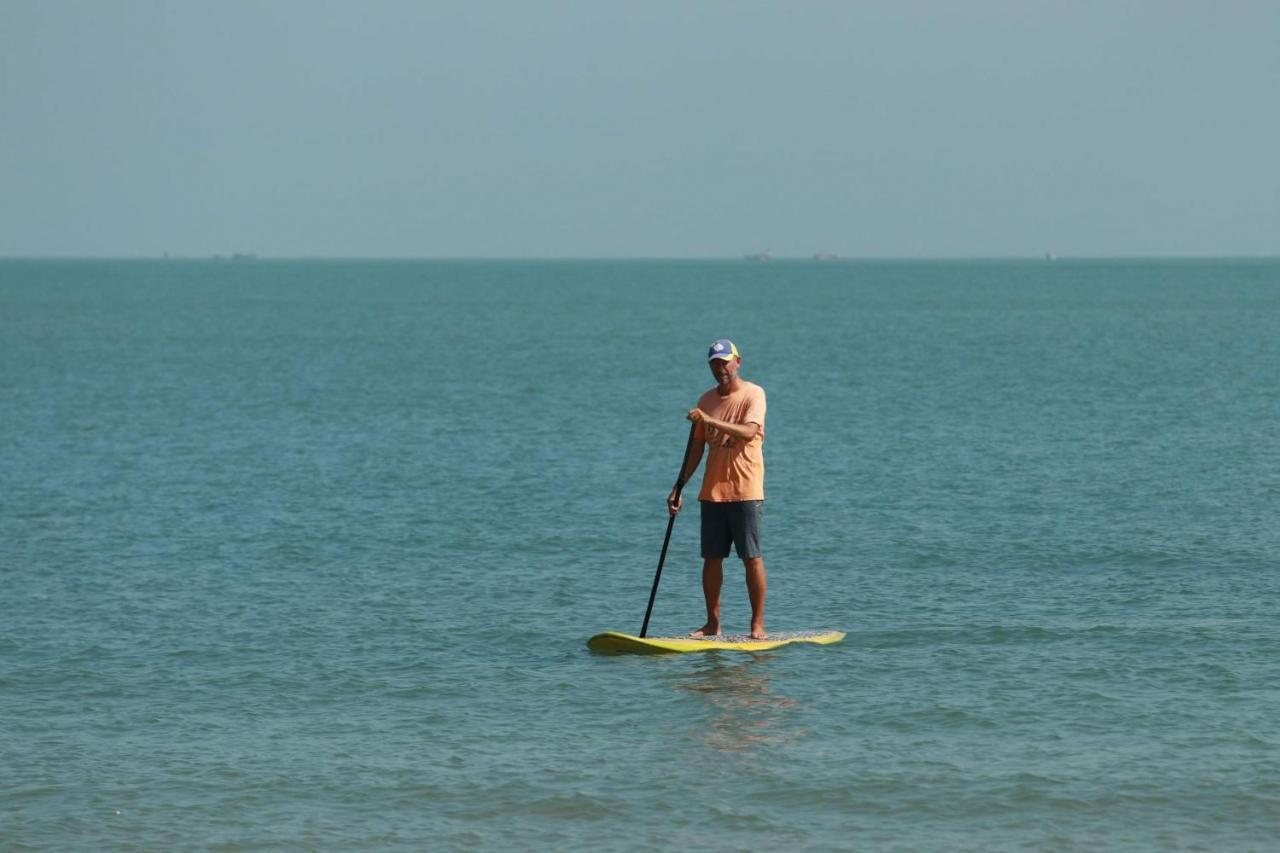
251	257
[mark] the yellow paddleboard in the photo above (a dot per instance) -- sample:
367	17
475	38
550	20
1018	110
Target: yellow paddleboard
611	642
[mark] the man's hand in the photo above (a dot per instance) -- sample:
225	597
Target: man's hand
674	502
696	415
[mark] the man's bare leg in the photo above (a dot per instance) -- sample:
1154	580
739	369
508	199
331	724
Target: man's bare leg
757	585
712	579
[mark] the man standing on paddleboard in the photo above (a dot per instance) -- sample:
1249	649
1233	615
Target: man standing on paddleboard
729	420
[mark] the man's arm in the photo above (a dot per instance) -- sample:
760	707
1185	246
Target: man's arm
746	431
674	500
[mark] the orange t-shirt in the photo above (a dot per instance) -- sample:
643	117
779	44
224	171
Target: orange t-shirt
735	468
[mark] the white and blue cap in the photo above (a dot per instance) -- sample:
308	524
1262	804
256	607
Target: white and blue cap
723	349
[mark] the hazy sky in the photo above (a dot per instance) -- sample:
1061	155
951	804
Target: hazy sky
597	128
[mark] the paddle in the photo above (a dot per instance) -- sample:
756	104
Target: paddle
671	521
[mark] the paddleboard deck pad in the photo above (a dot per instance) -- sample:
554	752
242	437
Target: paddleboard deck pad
612	642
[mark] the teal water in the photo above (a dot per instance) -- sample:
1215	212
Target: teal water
305	554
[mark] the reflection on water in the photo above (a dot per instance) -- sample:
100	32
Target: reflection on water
745	712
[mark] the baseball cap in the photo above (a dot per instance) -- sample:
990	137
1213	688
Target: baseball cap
724	349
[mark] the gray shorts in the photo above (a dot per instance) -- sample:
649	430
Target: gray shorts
738	522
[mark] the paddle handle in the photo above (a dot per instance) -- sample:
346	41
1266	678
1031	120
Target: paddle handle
671	522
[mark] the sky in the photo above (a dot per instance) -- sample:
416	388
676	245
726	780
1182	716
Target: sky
302	128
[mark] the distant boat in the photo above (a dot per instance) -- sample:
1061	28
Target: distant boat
759	256
1048	256
825	256
244	256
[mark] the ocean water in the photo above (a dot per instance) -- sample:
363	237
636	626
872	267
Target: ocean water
305	555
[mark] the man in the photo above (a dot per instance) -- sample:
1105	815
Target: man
729	419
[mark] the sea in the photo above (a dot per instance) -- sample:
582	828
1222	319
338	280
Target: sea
304	555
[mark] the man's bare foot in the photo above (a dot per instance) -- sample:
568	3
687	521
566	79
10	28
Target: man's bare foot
757	633
711	629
